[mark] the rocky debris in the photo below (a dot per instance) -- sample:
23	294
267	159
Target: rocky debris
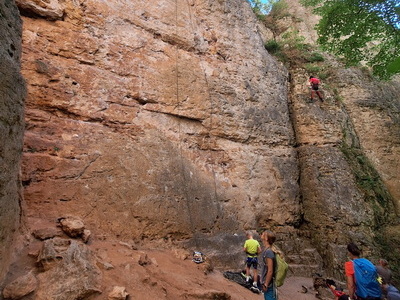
130	245
48	9
52	252
118	293
46	233
20	287
208	295
69	270
144	260
86	235
181	254
321	287
105	265
206	266
72	226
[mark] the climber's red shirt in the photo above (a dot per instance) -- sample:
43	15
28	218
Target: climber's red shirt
314	81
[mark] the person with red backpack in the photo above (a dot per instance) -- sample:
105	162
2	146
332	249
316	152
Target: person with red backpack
361	276
314	87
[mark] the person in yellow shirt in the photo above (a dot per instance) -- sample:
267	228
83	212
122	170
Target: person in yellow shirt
252	249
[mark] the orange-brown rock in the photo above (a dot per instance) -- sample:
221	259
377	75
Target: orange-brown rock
348	149
20	287
118	293
69	271
167	124
162	120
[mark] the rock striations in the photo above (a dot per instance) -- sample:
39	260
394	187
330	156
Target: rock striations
157	120
168	124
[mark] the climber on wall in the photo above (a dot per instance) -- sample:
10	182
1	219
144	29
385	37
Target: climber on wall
314	88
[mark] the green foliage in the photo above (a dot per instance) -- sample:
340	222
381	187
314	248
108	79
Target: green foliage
279	9
293	40
361	30
287	44
312	69
394	66
272	46
269	7
315	57
321	71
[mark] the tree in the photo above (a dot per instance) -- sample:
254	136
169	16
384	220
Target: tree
361	31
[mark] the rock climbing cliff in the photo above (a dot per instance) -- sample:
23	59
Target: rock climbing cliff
162	120
348	146
167	124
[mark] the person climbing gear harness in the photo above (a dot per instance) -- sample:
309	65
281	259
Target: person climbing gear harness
314	86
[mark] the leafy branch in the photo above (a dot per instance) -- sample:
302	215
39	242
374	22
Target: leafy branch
361	31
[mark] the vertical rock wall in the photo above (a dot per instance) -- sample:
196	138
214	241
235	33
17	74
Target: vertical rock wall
11	127
169	120
348	154
156	119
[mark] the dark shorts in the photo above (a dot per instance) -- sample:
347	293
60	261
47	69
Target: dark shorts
314	87
252	262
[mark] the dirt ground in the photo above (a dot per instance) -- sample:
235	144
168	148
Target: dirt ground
159	273
171	274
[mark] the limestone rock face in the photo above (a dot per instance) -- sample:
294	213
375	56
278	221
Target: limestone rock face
160	119
370	106
373	107
11	126
168	121
349	151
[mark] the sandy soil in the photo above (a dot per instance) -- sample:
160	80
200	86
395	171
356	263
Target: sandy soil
157	273
171	274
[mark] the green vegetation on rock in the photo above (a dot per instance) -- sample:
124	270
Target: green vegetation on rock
370	183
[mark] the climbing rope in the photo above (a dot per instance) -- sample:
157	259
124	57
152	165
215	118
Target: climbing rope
211	113
178	105
212	105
